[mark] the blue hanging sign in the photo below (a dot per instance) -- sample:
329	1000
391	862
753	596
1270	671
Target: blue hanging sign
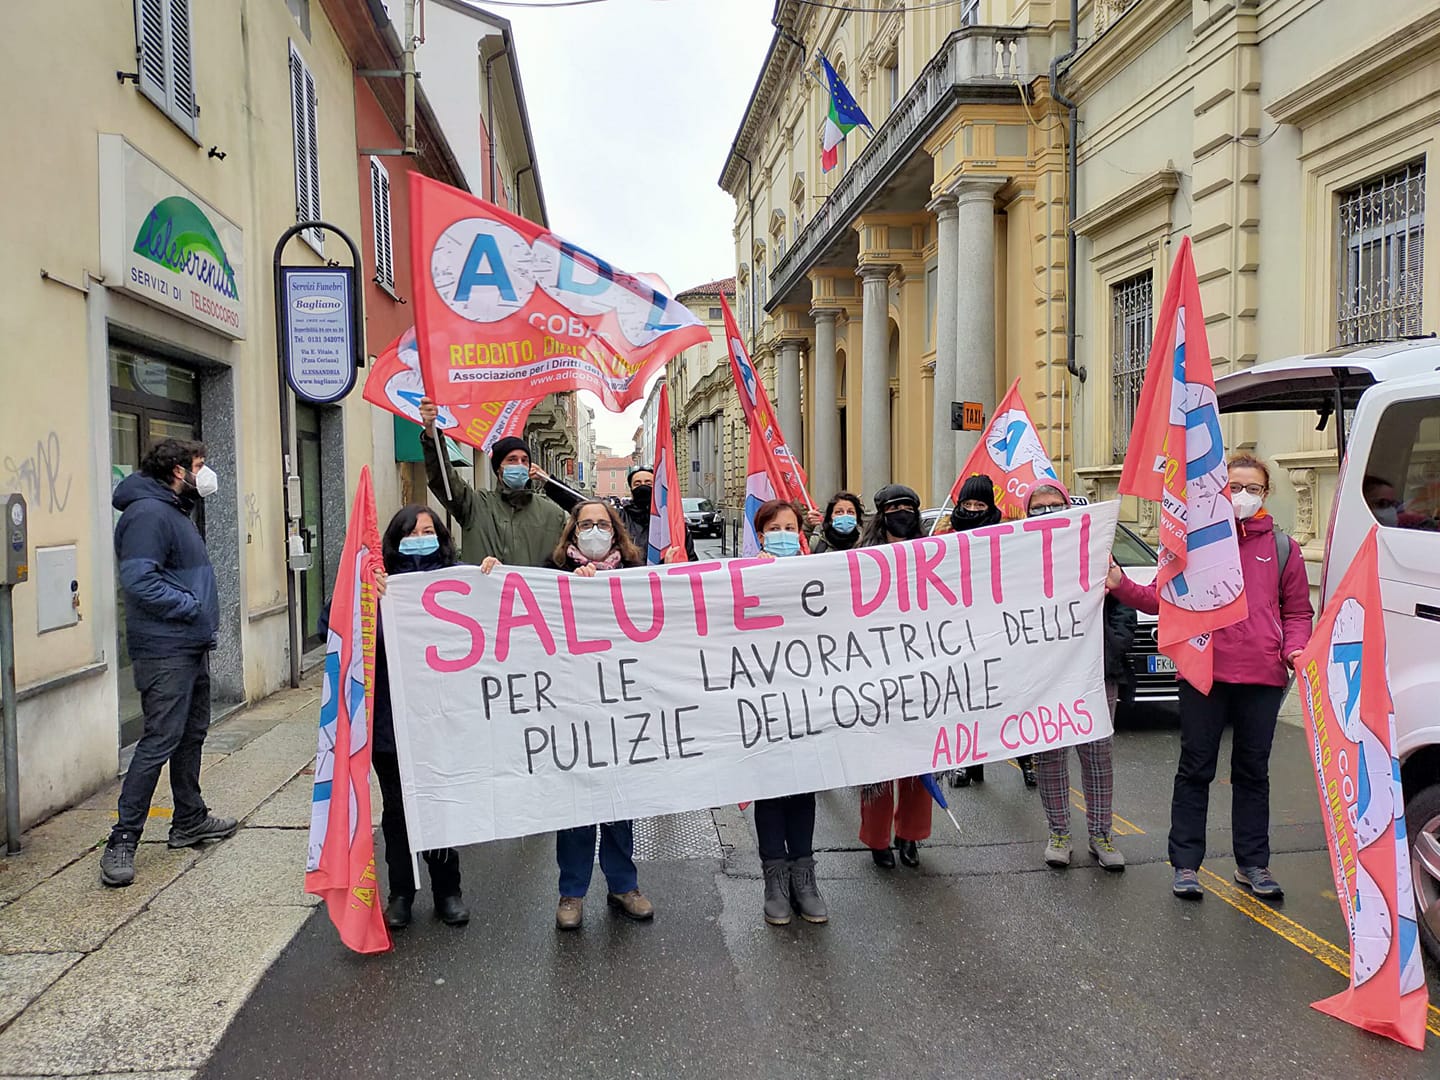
318	338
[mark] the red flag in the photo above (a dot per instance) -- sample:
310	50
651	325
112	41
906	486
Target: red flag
508	309
340	866
787	477
667	513
394	384
1351	728
1177	458
1011	454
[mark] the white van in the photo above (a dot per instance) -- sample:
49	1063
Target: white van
1385	401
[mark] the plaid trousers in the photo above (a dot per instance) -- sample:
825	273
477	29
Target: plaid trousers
1097	780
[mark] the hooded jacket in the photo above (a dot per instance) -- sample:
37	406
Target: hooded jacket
520	528
171	603
1254	650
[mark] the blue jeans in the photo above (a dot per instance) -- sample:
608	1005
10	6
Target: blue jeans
575	852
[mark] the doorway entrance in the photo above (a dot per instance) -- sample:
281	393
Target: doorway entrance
312	522
150	399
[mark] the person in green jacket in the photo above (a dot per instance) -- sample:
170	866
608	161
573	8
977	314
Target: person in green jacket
515	524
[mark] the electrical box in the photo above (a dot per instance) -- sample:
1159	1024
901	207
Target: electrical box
15	558
56	588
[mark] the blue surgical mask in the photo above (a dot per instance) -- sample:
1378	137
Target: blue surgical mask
782	544
419	545
515	476
844	524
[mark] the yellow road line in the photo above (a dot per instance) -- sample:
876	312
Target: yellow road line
1328	953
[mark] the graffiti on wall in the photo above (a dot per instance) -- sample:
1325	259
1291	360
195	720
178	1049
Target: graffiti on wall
40	476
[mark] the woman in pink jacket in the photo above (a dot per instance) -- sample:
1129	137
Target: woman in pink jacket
1252	670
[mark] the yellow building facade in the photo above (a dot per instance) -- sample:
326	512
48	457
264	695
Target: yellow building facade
1291	140
928	267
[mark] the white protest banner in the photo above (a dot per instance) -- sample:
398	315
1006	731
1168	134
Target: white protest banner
528	700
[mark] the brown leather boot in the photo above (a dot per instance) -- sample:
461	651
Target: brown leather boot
632	905
571	913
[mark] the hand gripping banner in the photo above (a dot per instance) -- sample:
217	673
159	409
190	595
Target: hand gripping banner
1344	688
1177	458
506	309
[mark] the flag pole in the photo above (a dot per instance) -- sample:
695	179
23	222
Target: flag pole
435	432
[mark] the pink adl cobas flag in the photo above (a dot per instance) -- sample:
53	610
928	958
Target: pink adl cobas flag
667	514
340	865
1177	458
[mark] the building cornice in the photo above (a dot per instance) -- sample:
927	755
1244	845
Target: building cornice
1398	49
1128	37
1158	186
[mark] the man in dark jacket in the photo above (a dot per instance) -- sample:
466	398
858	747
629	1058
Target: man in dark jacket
636	513
172	613
515	525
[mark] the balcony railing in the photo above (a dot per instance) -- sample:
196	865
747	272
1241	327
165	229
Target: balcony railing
981	62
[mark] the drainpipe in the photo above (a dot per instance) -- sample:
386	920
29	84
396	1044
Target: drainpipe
490	111
516	208
1071	197
410	147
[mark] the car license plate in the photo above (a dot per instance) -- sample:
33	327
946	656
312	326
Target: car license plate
1161	665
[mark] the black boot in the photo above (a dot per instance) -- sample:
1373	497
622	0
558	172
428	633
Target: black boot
451	910
804	896
397	912
777	891
977	773
884	858
1027	771
909	851
960	778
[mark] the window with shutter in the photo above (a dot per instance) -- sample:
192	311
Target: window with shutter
165	62
380	215
303	108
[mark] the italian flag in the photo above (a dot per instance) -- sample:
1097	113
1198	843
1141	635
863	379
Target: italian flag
844	116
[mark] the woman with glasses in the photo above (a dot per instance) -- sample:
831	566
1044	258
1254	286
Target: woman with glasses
1252	662
594	539
1097	771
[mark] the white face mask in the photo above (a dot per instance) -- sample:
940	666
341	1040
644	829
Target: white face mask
594	543
1246	505
1388	516
206	482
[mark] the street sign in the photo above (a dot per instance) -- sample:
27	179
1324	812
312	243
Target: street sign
318	341
967	416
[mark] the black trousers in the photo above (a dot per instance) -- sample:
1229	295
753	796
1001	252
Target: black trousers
785	827
1252	711
443	863
175	697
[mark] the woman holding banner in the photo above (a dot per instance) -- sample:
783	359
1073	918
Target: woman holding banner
595	539
897	518
1252	661
1097	770
785	827
839	528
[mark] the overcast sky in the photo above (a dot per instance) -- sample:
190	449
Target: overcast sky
633	104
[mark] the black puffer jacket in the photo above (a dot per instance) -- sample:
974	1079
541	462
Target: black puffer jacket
637	524
1120	626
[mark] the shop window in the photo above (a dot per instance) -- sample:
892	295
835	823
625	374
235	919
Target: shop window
304	109
380	222
1402	474
166	71
1132	326
1381	240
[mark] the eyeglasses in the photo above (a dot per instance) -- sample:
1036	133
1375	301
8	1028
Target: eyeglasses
594	526
1249	489
1047	508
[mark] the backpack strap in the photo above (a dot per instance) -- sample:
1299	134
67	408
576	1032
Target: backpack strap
1282	548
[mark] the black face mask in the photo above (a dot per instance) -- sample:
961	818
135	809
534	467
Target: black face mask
963	520
902	523
640	497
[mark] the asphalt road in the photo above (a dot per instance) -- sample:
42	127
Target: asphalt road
980	963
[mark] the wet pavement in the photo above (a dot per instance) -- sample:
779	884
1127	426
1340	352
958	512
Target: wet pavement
981	963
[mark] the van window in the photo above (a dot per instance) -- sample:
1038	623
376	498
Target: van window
1402	475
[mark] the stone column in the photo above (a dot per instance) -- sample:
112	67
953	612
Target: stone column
826	467
975	301
875	382
945	467
787	381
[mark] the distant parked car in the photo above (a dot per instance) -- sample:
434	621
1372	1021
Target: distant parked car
1153	675
703	518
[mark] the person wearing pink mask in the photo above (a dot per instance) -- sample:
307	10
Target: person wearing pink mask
1252	661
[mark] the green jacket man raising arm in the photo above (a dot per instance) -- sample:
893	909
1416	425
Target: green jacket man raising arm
515	524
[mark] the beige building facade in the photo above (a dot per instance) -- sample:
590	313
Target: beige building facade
704	403
1291	140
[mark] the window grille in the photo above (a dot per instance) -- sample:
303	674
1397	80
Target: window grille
1132	329
1381	240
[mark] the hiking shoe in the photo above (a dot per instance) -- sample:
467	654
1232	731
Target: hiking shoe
117	864
1057	851
212	828
1187	885
632	905
571	913
804	896
1107	854
1260	881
